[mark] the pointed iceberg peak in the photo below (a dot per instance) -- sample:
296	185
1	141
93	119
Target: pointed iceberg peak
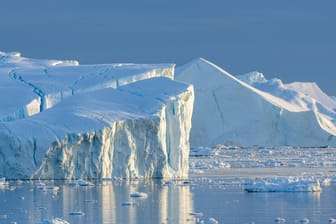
202	68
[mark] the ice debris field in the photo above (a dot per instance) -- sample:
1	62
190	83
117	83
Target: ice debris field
63	120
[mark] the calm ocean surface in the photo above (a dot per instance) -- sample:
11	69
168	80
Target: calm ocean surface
167	202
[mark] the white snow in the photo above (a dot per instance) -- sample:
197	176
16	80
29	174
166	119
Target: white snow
233	112
82	127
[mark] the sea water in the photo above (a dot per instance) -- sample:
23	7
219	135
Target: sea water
159	201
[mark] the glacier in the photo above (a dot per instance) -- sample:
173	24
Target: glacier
250	110
62	120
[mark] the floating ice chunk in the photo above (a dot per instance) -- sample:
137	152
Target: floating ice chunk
304	220
80	183
80	213
55	221
138	195
211	221
332	220
280	220
283	185
326	181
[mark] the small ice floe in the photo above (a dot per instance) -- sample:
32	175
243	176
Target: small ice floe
284	185
127	203
332	220
326	181
51	188
80	183
40	185
138	195
47	188
55	221
304	221
80	213
211	221
196	214
280	220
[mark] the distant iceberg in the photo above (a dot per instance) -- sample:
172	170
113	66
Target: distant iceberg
250	110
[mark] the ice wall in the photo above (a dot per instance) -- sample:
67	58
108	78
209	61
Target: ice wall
138	130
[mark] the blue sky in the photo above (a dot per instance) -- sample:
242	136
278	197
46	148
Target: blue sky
289	39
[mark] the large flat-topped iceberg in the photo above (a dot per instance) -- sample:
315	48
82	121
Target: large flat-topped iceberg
236	111
62	120
139	130
35	85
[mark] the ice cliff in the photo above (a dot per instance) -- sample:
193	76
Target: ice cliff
62	120
250	110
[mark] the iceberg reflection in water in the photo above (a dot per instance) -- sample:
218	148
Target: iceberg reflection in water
105	202
199	200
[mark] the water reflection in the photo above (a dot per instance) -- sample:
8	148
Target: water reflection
166	203
104	203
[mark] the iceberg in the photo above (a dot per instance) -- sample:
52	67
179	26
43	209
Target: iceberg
289	184
92	121
252	111
139	130
44	83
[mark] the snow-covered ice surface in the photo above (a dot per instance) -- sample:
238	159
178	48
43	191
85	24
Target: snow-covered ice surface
38	84
92	121
251	111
